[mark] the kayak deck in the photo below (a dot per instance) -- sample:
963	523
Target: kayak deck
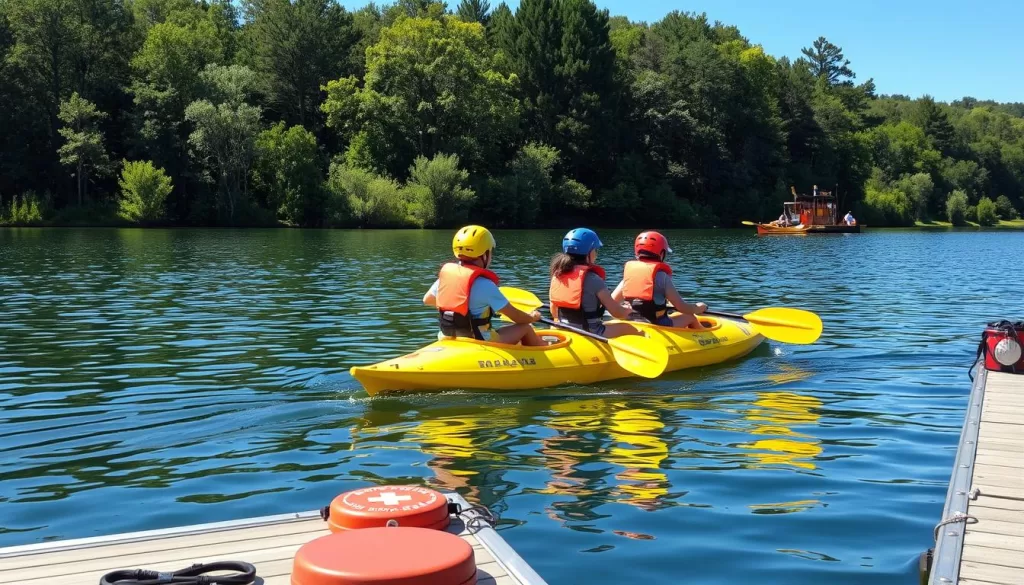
269	543
467	364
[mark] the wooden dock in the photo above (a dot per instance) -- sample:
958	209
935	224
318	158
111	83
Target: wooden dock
980	539
268	543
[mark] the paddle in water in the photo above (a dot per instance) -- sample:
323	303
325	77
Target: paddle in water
635	353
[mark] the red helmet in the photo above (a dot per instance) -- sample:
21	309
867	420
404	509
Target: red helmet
651	242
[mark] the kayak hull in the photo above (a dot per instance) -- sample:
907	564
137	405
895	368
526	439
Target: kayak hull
764	229
467	364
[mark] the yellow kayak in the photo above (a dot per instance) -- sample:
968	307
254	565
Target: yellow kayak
469	364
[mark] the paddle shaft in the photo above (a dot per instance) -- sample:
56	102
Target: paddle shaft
720	314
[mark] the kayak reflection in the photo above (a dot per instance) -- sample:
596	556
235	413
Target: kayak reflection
598	450
775	413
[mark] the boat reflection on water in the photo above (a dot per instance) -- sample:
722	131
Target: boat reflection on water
606	450
774	413
637	446
459	441
616	449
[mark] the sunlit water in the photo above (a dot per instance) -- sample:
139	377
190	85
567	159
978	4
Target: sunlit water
151	379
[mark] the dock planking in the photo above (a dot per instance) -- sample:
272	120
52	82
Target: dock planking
268	543
988	485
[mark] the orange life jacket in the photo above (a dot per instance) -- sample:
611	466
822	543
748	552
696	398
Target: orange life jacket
454	283
566	293
638	287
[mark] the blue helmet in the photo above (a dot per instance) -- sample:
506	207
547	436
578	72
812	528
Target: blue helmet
580	241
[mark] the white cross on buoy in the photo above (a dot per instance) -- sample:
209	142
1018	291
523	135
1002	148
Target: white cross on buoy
389	499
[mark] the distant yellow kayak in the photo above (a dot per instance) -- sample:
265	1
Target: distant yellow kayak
468	364
764	229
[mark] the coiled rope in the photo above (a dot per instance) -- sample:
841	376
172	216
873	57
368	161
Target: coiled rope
245	574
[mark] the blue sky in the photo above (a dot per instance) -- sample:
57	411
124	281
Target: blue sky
940	47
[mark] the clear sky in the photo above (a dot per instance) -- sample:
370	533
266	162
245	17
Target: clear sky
948	49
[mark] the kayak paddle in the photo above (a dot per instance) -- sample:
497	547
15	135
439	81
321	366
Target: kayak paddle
781	324
748	223
635	353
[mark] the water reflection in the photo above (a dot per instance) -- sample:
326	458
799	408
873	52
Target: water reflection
202	375
600	450
638	447
774	415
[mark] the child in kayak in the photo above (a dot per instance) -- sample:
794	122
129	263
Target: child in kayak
647	286
578	295
467	297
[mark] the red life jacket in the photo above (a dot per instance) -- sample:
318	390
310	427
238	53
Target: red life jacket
638	287
566	293
454	283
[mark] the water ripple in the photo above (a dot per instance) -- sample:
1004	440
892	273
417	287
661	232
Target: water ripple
153	378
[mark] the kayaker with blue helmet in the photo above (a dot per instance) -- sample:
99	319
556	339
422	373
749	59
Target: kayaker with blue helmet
647	285
466	294
578	294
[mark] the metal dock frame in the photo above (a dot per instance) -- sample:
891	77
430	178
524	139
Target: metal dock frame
949	543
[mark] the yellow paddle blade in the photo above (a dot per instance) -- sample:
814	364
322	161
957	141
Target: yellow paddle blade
523	300
636	354
520	297
639	355
786	325
748	223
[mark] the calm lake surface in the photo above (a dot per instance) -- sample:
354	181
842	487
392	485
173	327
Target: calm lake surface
157	378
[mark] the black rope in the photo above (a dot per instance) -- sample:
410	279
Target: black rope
478	517
245	574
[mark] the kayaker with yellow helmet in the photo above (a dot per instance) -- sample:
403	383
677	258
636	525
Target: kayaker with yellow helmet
647	285
466	294
578	294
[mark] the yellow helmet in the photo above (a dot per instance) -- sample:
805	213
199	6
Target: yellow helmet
472	241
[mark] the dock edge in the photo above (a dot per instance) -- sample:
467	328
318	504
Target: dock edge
949	545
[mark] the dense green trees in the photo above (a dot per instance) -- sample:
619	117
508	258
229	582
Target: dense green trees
410	114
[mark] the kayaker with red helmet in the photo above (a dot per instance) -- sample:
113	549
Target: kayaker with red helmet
466	295
578	294
647	285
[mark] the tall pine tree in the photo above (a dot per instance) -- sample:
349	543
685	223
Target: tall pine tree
826	62
503	30
587	90
936	125
537	51
299	46
474	11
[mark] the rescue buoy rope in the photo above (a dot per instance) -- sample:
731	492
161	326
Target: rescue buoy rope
956	517
481	517
245	574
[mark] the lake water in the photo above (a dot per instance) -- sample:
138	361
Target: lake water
158	378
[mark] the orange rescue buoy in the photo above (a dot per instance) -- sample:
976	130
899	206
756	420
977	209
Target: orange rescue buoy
376	506
385	556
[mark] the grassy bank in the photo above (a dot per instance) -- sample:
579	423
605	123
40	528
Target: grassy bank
1014	224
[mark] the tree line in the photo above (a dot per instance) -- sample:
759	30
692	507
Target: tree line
302	113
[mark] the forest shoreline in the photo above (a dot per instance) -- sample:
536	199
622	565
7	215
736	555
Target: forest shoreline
1016	224
418	114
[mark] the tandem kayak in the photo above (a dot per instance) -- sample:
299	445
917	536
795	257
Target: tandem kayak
469	364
